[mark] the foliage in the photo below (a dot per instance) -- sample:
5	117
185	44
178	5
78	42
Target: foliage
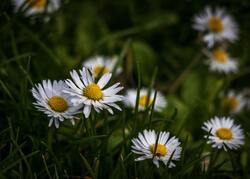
150	37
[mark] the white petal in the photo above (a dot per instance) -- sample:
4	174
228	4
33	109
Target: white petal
104	80
86	111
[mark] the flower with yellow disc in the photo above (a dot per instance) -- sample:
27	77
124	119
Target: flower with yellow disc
51	100
223	133
216	26
88	93
33	7
144	102
220	61
234	102
157	146
100	65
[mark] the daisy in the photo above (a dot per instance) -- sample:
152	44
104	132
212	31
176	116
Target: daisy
220	61
160	101
164	149
33	7
223	133
51	100
87	93
216	25
234	102
100	65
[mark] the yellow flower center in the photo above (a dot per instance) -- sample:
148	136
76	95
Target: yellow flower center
220	56
232	102
159	150
224	134
58	104
100	70
39	4
143	101
93	92
215	24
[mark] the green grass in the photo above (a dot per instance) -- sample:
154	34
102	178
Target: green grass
157	48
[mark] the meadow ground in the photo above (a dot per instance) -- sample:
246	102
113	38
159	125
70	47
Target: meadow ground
124	89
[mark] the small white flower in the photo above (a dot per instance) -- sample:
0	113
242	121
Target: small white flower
234	102
33	7
54	102
217	26
87	93
164	149
100	65
160	101
220	61
224	133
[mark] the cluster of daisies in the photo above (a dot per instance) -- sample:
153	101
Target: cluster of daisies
85	91
234	102
88	90
217	28
221	133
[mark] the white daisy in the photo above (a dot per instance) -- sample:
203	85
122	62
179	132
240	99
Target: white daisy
160	101
234	102
164	149
224	133
220	61
32	7
54	102
100	65
86	92
216	25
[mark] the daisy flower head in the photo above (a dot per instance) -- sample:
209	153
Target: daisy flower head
234	102
100	65
157	146
220	61
88	93
223	133
144	102
51	100
216	25
32	7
